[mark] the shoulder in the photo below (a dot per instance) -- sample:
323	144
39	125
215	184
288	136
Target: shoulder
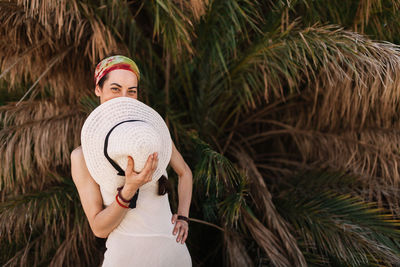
78	165
77	154
77	158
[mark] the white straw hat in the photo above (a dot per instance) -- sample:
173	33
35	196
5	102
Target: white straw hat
120	127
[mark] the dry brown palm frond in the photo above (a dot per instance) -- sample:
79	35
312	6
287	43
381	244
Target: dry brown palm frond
371	153
266	240
344	113
34	31
367	94
50	211
39	211
80	242
196	7
263	201
353	122
79	245
367	8
50	12
236	253
314	59
36	137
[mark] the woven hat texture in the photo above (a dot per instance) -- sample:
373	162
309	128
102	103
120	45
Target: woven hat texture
138	139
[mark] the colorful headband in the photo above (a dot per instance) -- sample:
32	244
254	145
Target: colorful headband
114	63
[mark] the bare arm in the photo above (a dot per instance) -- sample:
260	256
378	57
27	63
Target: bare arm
103	220
185	186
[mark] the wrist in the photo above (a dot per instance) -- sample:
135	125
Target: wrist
119	202
127	192
183	213
183	218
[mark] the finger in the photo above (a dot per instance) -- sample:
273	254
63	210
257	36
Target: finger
155	159
178	235
149	172
176	228
148	164
185	236
174	217
129	167
181	233
155	162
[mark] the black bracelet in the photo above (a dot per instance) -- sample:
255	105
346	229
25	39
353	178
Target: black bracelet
120	196
132	201
184	218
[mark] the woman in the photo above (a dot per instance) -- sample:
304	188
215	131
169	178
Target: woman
118	76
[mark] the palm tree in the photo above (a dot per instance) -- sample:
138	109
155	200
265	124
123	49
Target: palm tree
285	110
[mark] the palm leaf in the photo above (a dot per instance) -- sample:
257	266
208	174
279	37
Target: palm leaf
49	212
341	226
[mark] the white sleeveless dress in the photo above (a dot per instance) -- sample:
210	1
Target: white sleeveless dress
144	237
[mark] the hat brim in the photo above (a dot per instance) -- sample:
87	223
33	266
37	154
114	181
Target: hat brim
99	123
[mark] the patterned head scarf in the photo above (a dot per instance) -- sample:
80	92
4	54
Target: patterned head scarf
113	63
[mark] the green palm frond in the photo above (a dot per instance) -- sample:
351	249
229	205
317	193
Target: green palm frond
377	18
220	180
341	226
49	212
274	237
231	205
173	27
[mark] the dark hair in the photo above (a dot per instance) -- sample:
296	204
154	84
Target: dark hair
164	185
102	81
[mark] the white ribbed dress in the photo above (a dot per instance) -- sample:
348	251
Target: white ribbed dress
144	237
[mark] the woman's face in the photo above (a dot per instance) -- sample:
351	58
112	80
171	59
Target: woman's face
118	83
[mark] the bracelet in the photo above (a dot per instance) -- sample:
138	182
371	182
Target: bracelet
184	218
132	201
119	203
120	196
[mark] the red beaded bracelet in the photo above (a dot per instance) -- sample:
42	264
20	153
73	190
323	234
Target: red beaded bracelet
119	203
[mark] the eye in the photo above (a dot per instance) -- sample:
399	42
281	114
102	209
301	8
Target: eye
132	91
115	89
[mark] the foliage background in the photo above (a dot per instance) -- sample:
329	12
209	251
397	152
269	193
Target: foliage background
286	111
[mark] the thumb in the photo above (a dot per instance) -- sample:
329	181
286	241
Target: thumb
130	166
174	217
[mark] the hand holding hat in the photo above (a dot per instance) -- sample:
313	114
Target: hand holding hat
123	127
135	179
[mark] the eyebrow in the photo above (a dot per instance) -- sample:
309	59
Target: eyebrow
121	86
